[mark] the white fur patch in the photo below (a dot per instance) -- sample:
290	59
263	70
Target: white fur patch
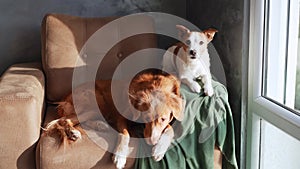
159	150
122	151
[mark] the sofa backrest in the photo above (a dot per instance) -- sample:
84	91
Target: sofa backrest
64	36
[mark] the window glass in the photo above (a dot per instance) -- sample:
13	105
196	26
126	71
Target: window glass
281	52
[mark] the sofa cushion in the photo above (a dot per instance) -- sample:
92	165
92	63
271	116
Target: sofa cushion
63	38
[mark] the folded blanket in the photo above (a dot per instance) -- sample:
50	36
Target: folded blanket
208	122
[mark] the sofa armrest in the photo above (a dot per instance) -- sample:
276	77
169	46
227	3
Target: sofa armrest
21	113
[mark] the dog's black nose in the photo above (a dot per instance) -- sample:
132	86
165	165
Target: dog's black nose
193	52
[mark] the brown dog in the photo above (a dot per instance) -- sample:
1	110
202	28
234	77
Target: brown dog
155	100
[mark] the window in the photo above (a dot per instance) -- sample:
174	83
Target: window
273	118
281	25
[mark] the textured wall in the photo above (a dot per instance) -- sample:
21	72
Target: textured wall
227	17
21	19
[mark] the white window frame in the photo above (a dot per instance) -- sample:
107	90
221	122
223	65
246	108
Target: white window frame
260	107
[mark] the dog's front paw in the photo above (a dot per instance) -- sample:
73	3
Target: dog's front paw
208	90
122	151
160	149
195	87
119	160
157	153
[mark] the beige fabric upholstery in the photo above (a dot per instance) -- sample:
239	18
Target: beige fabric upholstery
64	36
21	113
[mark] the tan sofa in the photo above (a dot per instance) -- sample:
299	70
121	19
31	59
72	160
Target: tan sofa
27	91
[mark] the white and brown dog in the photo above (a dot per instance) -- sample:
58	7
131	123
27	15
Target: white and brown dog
155	98
189	59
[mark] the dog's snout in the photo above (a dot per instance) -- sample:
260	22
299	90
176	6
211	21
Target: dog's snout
193	52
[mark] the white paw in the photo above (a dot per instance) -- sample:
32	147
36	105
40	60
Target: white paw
157	155
195	87
208	90
160	149
121	152
119	160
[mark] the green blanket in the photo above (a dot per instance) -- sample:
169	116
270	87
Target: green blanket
208	122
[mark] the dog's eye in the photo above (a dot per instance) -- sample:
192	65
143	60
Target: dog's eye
188	42
201	42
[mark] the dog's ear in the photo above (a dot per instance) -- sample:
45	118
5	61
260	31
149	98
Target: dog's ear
140	100
135	103
176	87
177	102
182	31
210	33
173	83
135	114
177	105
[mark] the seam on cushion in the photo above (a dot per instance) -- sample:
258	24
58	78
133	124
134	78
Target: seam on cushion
45	67
46	42
119	35
46	52
85	31
19	98
85	39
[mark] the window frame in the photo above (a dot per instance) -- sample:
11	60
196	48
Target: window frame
258	106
